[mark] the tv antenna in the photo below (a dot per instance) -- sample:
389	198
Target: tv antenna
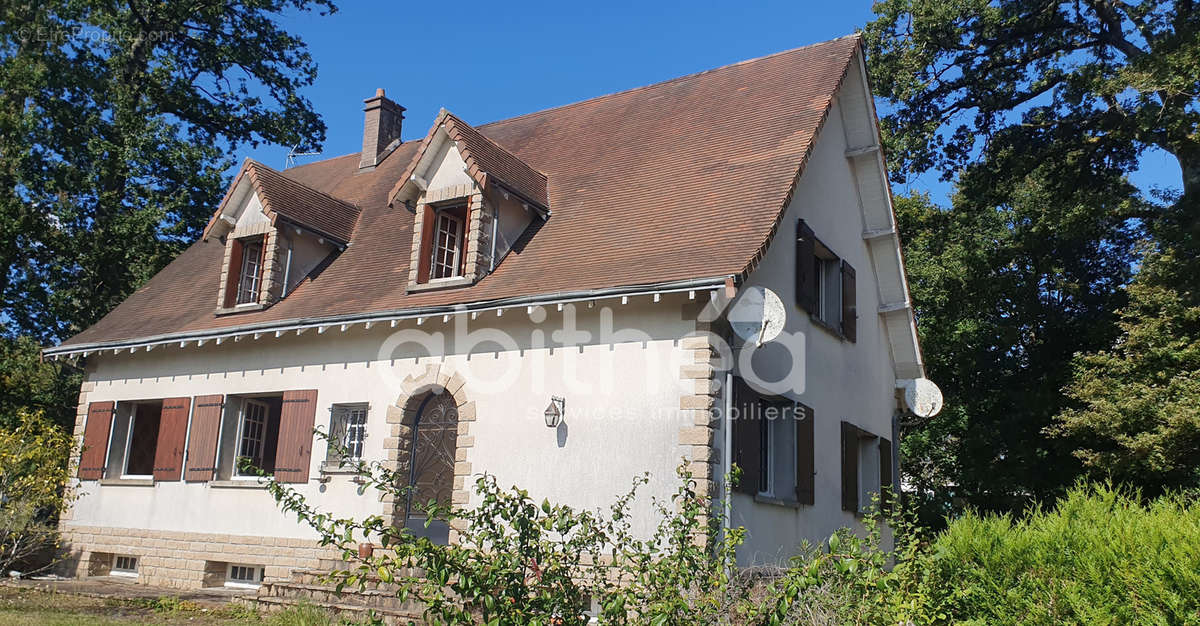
292	154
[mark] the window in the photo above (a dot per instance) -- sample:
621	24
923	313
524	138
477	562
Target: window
251	274
244	576
866	469
141	441
348	431
124	565
773	446
447	245
826	286
257	435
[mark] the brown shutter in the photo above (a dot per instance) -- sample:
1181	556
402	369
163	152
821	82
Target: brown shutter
849	467
806	467
172	433
235	273
849	303
886	488
202	442
295	436
746	436
95	440
425	251
806	277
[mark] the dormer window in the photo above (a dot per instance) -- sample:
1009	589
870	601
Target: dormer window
448	243
251	275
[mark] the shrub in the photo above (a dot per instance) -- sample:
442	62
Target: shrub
34	488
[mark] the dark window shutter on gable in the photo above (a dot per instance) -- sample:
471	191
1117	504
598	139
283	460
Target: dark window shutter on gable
746	437
806	276
95	440
849	302
172	432
886	488
296	422
849	467
202	440
806	467
235	273
425	248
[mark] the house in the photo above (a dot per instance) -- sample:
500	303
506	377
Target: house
646	266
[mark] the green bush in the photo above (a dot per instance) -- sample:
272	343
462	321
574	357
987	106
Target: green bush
1099	557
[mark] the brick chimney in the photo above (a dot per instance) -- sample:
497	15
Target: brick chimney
380	128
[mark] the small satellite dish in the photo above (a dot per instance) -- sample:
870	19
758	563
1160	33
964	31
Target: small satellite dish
923	397
757	316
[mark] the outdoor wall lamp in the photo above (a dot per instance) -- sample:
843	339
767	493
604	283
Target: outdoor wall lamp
554	412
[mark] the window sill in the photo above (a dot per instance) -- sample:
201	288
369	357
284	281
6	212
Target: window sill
440	283
772	500
237	484
127	482
241	308
830	328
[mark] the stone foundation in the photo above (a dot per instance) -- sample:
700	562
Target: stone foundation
186	560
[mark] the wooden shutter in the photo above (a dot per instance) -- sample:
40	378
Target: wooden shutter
425	250
95	440
886	488
849	467
806	467
202	440
806	276
172	433
746	436
849	303
295	436
235	273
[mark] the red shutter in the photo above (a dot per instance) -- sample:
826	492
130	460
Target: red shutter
806	276
886	486
849	467
172	433
425	251
202	442
235	273
806	468
849	303
295	436
95	440
746	436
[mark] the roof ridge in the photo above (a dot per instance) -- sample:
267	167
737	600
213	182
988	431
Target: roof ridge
854	35
296	182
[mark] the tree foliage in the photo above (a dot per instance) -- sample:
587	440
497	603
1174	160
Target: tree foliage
35	485
116	122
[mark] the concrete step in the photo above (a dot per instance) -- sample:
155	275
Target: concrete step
321	576
367	598
390	617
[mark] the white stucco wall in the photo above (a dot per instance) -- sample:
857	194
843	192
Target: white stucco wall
843	381
446	166
621	389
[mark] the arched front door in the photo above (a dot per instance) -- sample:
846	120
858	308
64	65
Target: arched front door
430	450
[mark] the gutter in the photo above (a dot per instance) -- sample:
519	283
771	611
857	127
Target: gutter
393	316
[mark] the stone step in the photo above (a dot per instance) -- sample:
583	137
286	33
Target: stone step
390	617
321	576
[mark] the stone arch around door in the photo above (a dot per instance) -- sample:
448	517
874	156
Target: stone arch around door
441	382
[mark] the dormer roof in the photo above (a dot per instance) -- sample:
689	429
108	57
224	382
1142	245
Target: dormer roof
290	199
486	162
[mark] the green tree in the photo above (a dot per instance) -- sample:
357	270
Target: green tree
1137	417
35	486
116	125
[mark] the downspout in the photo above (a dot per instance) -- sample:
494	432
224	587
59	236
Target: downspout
727	452
287	269
495	228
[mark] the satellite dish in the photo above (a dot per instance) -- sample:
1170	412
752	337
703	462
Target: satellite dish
757	316
923	397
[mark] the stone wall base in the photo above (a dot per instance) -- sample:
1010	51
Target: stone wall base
186	560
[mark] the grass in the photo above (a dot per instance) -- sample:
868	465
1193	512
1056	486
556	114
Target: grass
29	607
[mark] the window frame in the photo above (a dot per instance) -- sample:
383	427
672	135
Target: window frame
262	439
242	583
254	291
117	570
440	214
339	422
129	430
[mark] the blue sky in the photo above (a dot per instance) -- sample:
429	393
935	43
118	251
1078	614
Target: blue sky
487	62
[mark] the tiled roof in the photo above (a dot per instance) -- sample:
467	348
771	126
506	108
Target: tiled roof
295	202
684	179
485	159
